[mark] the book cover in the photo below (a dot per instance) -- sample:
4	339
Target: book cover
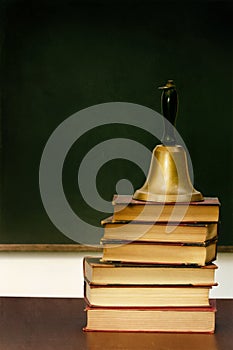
128	199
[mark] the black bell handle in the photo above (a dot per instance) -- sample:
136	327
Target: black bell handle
169	105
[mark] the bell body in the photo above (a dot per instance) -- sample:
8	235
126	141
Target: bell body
168	179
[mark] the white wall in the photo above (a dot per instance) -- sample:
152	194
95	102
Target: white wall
61	274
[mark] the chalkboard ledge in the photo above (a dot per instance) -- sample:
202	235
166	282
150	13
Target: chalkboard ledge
70	248
48	248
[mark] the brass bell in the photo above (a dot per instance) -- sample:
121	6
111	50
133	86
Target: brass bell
168	179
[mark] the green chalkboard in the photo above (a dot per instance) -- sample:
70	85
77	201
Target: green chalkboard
59	57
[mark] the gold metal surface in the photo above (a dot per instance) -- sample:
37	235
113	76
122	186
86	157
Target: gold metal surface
168	179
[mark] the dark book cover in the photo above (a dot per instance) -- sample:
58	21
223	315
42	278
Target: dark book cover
127	199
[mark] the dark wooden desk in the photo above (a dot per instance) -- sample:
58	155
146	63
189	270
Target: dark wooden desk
56	324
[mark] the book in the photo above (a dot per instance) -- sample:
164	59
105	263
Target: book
146	296
160	253
105	273
127	208
190	320
160	232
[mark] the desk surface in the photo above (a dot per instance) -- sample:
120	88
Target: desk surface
56	324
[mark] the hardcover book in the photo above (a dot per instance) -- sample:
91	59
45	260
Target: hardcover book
187	320
148	231
127	208
105	273
160	253
146	296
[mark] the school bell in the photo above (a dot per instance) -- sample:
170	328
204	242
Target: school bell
168	179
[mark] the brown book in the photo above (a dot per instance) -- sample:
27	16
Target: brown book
126	208
146	296
160	253
189	320
160	232
105	273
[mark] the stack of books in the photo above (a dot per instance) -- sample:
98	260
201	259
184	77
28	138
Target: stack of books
155	274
